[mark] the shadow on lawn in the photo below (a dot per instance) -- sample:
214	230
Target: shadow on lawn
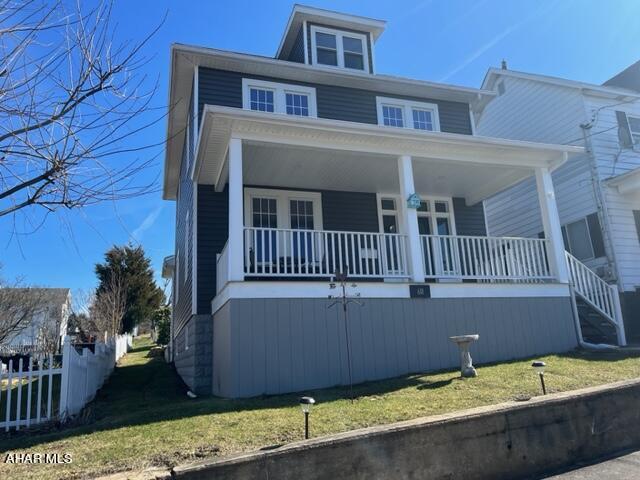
152	392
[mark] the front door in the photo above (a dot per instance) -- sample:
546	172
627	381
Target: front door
435	217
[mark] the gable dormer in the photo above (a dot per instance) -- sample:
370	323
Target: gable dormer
329	39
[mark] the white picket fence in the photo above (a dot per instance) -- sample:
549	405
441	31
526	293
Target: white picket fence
56	387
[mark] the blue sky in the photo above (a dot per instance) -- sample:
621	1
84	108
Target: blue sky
452	41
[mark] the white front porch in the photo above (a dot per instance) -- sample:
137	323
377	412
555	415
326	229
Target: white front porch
263	152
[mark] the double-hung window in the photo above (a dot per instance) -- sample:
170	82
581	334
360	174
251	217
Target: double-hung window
336	48
272	97
394	112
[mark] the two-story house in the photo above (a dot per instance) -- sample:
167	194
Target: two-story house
288	169
598	192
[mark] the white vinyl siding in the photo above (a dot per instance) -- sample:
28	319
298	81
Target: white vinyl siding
529	110
614	160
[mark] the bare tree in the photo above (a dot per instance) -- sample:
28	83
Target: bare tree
72	102
19	305
108	307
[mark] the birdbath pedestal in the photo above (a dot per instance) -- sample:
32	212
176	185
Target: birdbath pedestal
466	365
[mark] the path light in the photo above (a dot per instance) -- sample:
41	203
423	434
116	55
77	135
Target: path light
538	366
305	404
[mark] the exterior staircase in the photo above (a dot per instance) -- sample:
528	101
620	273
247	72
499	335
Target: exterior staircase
597	305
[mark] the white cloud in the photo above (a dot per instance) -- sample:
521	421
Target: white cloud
147	223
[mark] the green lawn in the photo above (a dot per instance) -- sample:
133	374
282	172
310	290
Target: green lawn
143	417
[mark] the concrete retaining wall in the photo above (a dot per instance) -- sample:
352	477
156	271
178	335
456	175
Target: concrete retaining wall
510	440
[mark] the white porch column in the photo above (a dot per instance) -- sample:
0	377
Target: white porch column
551	224
410	219
235	243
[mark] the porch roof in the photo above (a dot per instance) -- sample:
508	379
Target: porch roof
627	183
373	143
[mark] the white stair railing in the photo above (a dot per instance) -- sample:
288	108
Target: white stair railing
597	293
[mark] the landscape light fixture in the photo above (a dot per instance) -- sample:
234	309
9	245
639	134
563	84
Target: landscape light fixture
538	366
305	404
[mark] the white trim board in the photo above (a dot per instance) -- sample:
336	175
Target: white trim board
292	289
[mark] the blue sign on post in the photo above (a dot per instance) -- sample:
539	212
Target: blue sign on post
414	201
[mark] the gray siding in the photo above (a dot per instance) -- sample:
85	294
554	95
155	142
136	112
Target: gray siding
469	220
349	211
274	346
221	87
183	250
297	51
213	228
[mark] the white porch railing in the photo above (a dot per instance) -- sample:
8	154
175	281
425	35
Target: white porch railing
271	252
595	291
222	269
485	258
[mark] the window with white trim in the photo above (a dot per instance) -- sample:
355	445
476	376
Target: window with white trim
272	97
395	112
283	209
337	48
634	128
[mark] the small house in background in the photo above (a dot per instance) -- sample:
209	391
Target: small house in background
48	321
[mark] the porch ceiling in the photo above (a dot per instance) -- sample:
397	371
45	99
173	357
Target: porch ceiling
275	165
329	154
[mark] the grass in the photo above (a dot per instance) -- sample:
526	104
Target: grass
143	418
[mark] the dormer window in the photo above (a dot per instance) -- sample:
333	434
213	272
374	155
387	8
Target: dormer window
273	97
395	112
336	48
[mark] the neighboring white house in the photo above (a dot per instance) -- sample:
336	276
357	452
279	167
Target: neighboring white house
50	323
598	193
